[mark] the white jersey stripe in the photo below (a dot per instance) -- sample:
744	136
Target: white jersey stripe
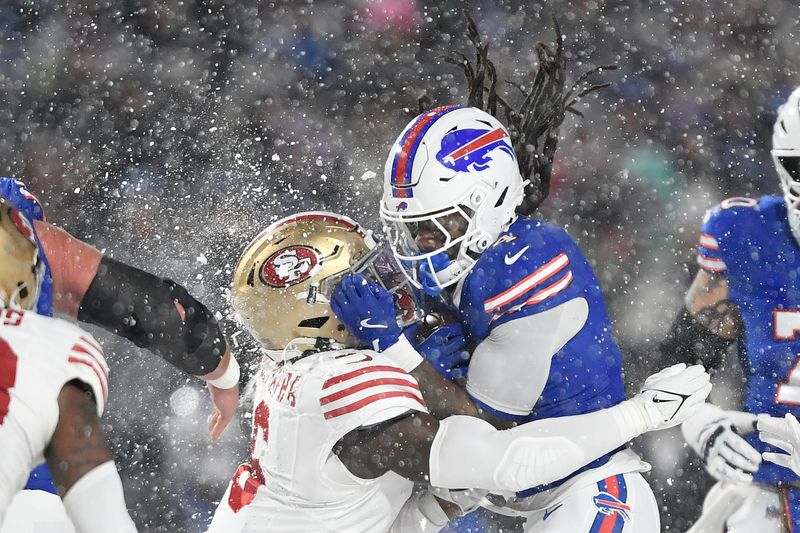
711	264
709	242
536	278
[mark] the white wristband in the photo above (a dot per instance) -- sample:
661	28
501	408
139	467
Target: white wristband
403	354
229	378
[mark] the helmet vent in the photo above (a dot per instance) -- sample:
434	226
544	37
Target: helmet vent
783	127
317	322
502	198
251	277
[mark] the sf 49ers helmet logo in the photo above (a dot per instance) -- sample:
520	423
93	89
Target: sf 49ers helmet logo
289	266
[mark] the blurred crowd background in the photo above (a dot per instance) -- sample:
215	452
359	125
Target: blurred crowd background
169	132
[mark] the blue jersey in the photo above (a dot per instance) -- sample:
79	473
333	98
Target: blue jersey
533	267
750	243
17	195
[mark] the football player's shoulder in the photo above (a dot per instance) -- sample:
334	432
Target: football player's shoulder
357	384
737	211
530	248
47	328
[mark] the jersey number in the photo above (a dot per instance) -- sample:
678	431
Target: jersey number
249	477
8	376
785	327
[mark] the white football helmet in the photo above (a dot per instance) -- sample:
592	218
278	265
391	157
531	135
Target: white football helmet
453	174
786	156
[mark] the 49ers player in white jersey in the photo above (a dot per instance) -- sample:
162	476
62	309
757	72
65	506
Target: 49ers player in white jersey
341	434
53	388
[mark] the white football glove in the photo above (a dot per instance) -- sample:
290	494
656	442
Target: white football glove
672	395
783	433
714	434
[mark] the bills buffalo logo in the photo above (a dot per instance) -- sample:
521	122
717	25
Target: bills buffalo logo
289	266
472	149
609	504
402	206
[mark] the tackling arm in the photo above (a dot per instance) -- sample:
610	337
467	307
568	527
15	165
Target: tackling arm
466	452
706	326
154	313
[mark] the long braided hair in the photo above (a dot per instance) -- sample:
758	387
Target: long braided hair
545	101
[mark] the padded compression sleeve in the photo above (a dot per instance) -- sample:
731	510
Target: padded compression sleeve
469	453
141	307
96	504
688	341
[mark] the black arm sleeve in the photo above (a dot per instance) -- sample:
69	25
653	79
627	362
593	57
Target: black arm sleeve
688	341
139	306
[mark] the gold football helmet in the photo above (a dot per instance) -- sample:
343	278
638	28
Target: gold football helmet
22	269
284	279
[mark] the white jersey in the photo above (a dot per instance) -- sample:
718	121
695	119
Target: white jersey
38	356
294	482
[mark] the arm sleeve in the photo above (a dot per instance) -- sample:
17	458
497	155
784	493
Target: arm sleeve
96	503
509	369
469	453
142	307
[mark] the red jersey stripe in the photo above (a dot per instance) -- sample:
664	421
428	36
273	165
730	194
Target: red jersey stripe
91	343
366	385
551	290
100	378
365	370
81	350
372	399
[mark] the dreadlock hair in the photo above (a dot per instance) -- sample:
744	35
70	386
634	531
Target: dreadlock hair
534	125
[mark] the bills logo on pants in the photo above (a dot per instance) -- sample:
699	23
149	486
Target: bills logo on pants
612	509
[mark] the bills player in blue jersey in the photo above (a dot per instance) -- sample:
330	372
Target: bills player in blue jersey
746	292
528	300
155	313
456	208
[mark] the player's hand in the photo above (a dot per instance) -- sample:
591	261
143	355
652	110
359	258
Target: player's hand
445	350
367	310
673	395
225	403
715	435
783	433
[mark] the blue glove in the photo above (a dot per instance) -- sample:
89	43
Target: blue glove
427	278
367	311
445	349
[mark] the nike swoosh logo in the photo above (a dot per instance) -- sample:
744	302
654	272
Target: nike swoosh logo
548	512
365	324
510	260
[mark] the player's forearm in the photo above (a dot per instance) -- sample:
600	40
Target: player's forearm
156	314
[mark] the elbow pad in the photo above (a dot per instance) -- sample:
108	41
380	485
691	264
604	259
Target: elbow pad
141	307
690	342
469	453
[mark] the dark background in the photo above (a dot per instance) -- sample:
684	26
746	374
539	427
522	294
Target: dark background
169	132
